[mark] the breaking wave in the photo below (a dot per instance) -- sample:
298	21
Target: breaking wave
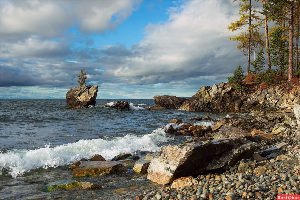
17	162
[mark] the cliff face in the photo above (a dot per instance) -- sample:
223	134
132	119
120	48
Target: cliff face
224	98
82	97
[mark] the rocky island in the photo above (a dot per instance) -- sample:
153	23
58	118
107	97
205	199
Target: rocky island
82	96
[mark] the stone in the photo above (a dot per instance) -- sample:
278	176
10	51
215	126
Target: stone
71	185
260	170
175	121
97	168
97	157
122	156
218	125
183	182
82	97
169	102
297	113
141	166
198	157
119	105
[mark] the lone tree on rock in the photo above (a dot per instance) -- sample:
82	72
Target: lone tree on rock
82	78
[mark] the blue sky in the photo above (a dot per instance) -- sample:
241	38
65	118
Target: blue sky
130	48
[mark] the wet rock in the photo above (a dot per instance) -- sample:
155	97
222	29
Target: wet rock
119	105
141	166
97	168
124	156
71	185
197	157
218	125
97	157
82	97
155	107
175	121
169	102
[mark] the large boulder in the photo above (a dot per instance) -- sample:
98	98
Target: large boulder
169	102
198	157
119	105
82	97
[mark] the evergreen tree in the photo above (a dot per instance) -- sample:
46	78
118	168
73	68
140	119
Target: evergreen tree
259	63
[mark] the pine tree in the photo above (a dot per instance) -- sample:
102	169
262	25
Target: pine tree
259	63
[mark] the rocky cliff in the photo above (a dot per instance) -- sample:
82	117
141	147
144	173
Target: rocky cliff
224	98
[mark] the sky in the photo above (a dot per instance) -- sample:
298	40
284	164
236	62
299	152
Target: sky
130	48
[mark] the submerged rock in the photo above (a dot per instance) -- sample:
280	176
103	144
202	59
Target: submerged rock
169	102
71	185
97	168
82	97
119	105
198	157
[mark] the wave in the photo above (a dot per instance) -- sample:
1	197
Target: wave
138	107
132	106
17	162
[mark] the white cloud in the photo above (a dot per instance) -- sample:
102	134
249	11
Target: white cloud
193	42
53	17
33	47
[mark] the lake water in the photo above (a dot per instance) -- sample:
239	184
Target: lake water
44	134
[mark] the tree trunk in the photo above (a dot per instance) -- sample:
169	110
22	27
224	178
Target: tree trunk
291	38
250	36
267	43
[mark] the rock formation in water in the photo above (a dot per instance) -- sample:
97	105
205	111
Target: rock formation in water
169	102
82	96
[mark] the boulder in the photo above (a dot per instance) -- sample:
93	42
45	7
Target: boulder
124	156
82	97
198	157
119	105
169	102
97	168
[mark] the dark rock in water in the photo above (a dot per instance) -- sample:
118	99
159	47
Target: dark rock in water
97	168
125	156
198	157
155	107
97	157
169	102
175	121
119	105
82	97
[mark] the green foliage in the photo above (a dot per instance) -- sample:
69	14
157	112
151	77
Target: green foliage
269	77
82	78
279	48
237	79
259	62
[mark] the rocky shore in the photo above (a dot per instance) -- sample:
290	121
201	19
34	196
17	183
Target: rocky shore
251	153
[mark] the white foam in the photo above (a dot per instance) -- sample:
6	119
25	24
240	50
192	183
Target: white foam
19	161
204	123
110	104
133	107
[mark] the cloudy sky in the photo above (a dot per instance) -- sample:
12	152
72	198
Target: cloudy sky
130	48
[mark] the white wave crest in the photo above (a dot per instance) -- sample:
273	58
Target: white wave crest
19	161
204	123
133	107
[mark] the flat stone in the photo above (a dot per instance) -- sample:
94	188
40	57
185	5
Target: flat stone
71	185
97	168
